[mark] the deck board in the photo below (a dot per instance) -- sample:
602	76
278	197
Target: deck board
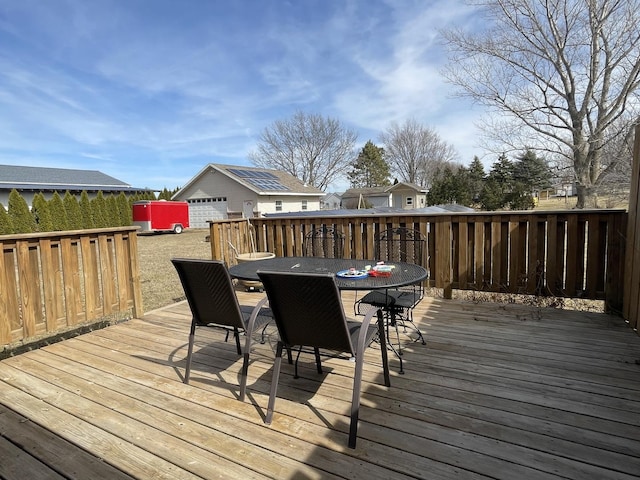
499	391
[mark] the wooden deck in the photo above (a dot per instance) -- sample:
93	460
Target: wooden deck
507	392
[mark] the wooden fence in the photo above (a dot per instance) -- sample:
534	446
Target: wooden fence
56	281
631	307
577	253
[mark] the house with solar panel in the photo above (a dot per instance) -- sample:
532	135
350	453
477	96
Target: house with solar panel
29	181
229	191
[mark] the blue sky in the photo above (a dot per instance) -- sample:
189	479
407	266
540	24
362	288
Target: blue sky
150	91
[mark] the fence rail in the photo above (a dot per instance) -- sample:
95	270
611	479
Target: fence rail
56	281
577	253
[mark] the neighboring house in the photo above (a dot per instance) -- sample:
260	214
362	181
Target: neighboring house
403	195
408	196
366	198
29	181
331	201
233	191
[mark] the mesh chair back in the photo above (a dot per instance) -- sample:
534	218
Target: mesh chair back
209	291
401	244
325	242
308	310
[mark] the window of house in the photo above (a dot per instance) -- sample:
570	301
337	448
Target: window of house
304	204
278	205
409	201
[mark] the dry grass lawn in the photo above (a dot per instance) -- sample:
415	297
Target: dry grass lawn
159	280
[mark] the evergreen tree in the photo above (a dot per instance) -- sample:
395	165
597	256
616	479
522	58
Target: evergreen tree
370	168
476	179
532	172
165	194
112	216
498	185
41	213
72	209
450	185
21	218
99	209
503	188
58	214
6	228
125	213
86	212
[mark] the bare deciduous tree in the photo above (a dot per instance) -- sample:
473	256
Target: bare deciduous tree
559	74
310	147
415	152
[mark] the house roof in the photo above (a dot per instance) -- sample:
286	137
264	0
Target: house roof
366	192
381	191
46	178
262	181
409	185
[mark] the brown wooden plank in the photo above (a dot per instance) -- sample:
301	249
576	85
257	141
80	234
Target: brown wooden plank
49	274
92	297
107	273
443	255
134	268
515	258
631	283
6	312
478	254
122	271
39	453
71	274
462	258
29	276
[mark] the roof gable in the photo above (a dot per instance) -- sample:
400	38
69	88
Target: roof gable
407	185
262	181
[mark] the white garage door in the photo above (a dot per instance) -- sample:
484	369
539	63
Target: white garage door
201	210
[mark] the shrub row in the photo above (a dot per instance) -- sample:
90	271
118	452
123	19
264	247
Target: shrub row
67	212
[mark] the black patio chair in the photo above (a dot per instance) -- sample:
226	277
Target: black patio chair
326	241
399	244
213	302
308	312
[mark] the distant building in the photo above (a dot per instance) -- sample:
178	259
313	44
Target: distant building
331	201
407	196
232	191
29	181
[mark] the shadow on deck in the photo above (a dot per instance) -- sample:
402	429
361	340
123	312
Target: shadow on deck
499	391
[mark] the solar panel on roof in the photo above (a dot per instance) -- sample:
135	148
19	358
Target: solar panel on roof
259	179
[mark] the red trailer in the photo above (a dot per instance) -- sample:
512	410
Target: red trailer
161	216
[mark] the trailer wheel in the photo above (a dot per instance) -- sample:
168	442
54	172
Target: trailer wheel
177	228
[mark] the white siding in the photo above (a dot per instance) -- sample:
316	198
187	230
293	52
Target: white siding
289	204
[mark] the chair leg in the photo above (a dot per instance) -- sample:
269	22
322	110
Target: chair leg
316	351
243	375
236	334
383	348
295	366
355	400
192	337
274	384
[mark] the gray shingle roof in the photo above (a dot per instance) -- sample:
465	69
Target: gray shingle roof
291	183
46	178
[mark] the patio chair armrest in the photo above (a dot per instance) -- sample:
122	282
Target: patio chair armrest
362	336
254	314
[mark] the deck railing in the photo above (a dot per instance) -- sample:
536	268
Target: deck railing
52	282
576	253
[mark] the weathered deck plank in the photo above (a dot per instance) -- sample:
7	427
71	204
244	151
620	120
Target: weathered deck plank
498	392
